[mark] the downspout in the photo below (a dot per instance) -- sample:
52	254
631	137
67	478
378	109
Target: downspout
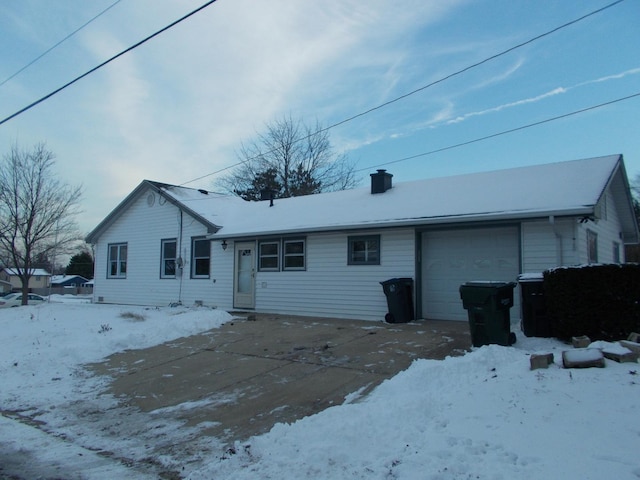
559	247
180	261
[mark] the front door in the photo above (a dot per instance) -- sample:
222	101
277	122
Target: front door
244	276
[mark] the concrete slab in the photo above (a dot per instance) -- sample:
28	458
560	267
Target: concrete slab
248	375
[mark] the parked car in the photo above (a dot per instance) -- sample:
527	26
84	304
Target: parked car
15	300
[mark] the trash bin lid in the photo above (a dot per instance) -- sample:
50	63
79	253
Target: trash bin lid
487	284
530	277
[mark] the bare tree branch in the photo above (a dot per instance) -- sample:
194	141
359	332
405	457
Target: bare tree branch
290	159
37	211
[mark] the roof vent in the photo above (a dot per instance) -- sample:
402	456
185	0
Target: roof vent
380	181
267	194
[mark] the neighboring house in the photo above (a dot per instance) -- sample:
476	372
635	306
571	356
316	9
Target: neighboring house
69	281
326	254
5	287
39	278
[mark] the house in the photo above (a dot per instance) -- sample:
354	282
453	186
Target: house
40	278
326	254
68	281
5	287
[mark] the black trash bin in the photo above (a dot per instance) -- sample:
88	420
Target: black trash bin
399	299
535	320
488	304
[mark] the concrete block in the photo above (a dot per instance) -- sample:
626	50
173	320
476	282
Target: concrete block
621	356
634	337
583	358
580	342
537	361
633	346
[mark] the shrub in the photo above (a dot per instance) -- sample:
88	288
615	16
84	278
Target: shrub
600	301
136	317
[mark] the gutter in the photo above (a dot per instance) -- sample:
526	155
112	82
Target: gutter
409	222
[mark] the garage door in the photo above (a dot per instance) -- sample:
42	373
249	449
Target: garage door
453	257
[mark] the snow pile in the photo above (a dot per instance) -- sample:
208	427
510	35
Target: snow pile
482	416
44	345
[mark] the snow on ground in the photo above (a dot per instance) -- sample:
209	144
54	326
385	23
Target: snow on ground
481	416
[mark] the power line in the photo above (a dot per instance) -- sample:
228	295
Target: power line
504	132
424	87
474	65
486	137
61	41
153	35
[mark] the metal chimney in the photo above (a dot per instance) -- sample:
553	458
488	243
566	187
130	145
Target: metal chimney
380	181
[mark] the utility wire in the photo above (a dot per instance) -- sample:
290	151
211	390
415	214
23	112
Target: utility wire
504	132
417	90
474	65
481	139
132	47
61	41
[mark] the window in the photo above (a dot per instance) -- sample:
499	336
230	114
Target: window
169	251
592	247
269	256
364	250
293	255
200	257
616	252
117	260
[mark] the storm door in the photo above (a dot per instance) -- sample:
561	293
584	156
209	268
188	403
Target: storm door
244	276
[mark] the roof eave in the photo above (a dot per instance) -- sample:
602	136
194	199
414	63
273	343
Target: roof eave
93	236
413	222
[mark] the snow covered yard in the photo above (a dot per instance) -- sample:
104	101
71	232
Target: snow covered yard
481	416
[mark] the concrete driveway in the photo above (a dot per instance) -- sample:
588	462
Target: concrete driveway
263	369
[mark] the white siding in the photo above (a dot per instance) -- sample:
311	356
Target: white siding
329	287
142	227
608	229
546	245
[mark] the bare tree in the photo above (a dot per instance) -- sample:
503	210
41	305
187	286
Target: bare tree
36	211
290	159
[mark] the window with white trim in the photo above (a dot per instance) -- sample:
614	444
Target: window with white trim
117	260
293	257
364	250
592	247
616	252
169	250
269	256
200	257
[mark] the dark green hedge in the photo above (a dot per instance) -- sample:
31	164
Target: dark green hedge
600	301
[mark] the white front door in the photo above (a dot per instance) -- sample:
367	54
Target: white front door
244	276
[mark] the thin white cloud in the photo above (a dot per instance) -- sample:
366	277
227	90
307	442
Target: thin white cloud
543	96
617	76
499	108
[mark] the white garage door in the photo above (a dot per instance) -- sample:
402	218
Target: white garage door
453	257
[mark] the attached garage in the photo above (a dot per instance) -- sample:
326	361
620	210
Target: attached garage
455	256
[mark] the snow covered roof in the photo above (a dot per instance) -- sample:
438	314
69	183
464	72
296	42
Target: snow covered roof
39	272
58	279
564	188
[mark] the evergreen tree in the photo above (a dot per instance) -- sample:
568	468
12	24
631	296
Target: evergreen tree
81	264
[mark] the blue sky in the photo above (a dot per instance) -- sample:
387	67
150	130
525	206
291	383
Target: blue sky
179	106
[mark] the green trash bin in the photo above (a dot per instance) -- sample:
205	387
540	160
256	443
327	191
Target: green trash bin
535	320
487	305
